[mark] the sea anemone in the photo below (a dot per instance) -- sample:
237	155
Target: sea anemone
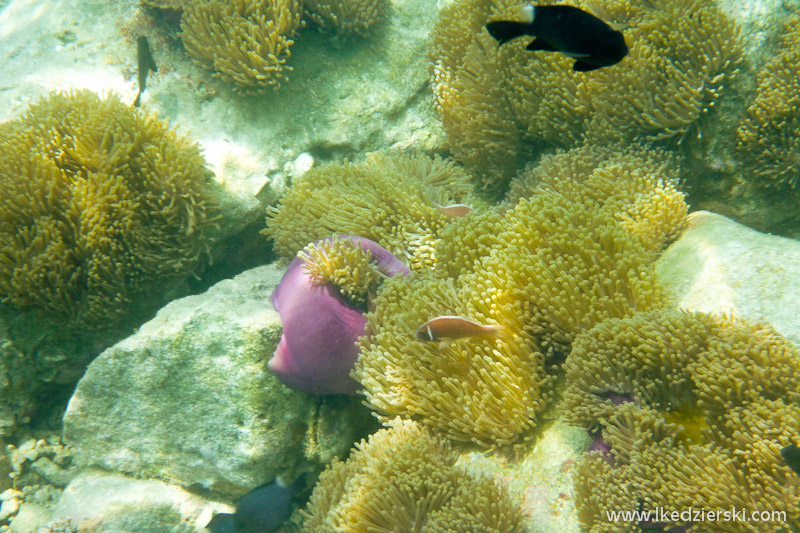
405	478
391	198
245	42
573	253
499	105
770	135
98	201
711	402
345	17
318	348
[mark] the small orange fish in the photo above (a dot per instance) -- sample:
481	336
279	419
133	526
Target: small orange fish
454	210
444	329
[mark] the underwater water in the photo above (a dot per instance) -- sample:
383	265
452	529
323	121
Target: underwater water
372	265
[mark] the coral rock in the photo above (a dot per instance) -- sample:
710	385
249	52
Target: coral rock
718	265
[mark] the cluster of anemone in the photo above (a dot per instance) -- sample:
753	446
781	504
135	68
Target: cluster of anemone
769	137
679	405
405	478
687	410
97	202
243	41
345	18
391	198
248	42
575	250
500	104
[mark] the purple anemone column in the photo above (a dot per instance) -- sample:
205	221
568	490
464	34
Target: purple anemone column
317	350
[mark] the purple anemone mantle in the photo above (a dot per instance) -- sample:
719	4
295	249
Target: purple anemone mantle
318	348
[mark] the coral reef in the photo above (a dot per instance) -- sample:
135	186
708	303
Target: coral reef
390	198
770	135
98	201
572	254
692	411
245	42
405	479
318	349
499	105
345	17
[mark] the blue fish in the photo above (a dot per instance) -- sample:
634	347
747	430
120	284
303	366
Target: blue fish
262	510
791	454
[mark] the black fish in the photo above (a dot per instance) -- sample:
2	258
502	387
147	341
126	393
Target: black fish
146	64
262	510
791	454
567	29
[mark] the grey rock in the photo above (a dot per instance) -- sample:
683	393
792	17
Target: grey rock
101	501
188	398
37	359
718	265
53	473
29	518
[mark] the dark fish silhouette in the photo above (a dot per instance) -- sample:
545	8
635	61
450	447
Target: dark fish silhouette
262	510
791	454
567	29
146	64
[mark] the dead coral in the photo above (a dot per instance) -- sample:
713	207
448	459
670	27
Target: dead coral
405	479
680	54
98	202
390	198
694	410
770	135
245	42
345	17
